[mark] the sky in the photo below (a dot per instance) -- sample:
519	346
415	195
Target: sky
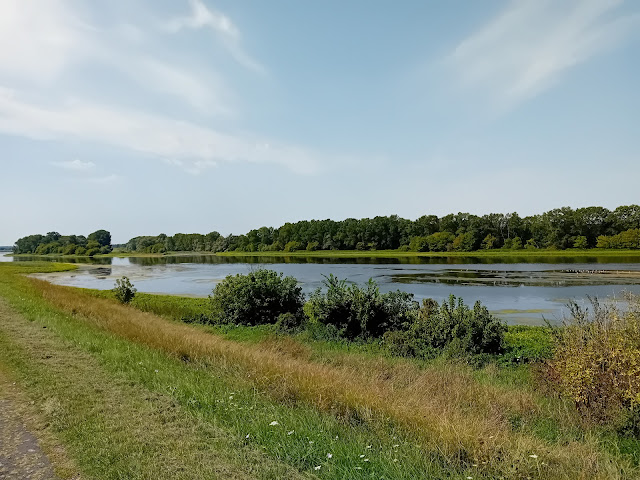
165	116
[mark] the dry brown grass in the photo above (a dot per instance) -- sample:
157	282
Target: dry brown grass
444	407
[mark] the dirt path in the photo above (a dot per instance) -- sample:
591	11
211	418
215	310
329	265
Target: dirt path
21	457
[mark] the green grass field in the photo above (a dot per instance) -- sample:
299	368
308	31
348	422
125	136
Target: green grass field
131	392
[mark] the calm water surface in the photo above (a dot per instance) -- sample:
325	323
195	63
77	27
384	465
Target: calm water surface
519	291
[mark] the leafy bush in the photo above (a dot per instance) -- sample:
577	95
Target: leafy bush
124	291
597	361
256	298
418	244
292	246
525	344
580	242
288	323
451	328
360	312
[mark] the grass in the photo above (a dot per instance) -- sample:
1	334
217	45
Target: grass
437	420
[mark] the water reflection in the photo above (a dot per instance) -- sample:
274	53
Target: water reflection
409	260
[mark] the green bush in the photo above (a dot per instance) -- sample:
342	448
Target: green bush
124	291
525	344
360	312
292	246
597	362
256	298
451	328
288	323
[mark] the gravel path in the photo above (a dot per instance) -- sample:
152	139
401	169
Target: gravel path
20	455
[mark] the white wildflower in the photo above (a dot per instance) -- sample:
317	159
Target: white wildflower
274	423
533	456
291	432
317	467
329	455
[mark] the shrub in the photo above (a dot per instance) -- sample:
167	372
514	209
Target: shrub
81	250
256	298
90	252
69	249
292	246
580	242
440	241
312	246
288	323
451	328
418	244
597	361
360	312
124	291
525	344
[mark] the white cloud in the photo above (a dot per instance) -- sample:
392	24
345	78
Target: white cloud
37	39
530	44
77	165
172	140
52	39
104	180
204	17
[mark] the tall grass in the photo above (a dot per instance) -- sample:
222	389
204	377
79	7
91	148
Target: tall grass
444	408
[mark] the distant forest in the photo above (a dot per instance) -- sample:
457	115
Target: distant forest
54	243
561	228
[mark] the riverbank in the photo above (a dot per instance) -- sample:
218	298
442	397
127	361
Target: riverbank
132	394
528	255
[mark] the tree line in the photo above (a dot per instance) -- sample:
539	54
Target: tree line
560	228
55	243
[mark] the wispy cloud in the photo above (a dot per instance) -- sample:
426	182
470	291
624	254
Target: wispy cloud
529	45
204	17
104	180
55	43
192	145
77	165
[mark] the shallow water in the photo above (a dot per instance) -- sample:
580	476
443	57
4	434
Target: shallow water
522	293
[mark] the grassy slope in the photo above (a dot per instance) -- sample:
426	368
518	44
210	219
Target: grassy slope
456	416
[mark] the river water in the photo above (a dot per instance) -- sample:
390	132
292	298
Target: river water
523	291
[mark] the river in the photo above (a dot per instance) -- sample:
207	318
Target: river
520	291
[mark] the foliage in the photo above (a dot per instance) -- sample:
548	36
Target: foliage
292	246
124	291
489	242
288	323
525	344
580	242
55	244
256	298
597	361
627	239
451	328
102	237
357	312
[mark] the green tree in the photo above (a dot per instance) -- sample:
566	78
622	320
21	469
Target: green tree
580	242
488	242
103	237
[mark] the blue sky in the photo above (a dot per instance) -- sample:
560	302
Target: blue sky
198	115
